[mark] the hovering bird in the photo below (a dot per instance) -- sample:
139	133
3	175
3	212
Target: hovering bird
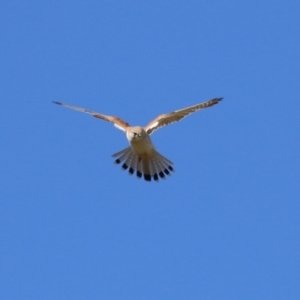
141	155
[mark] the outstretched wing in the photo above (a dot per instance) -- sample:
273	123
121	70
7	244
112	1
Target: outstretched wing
115	120
177	115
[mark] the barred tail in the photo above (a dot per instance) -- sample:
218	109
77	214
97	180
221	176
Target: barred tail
150	167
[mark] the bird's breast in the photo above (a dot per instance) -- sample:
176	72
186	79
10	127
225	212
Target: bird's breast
142	146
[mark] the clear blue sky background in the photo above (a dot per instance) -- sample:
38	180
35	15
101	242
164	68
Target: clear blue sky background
225	225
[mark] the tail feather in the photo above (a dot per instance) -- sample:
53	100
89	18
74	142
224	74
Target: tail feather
146	169
122	155
164	165
154	167
133	165
158	167
128	161
121	152
165	159
154	170
139	168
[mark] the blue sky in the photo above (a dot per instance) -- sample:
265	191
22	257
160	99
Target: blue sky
225	225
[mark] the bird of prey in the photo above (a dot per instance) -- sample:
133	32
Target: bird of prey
141	156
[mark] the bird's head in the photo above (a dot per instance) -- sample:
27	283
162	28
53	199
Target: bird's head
135	133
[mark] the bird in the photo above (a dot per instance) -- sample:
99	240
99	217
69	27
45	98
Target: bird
141	156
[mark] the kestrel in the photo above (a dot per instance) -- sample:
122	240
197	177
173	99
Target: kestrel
141	155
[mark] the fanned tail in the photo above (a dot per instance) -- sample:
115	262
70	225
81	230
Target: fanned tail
154	167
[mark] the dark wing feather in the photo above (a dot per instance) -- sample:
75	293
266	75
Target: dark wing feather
119	123
177	115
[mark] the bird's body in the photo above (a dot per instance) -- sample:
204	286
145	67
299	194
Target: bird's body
141	156
140	141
